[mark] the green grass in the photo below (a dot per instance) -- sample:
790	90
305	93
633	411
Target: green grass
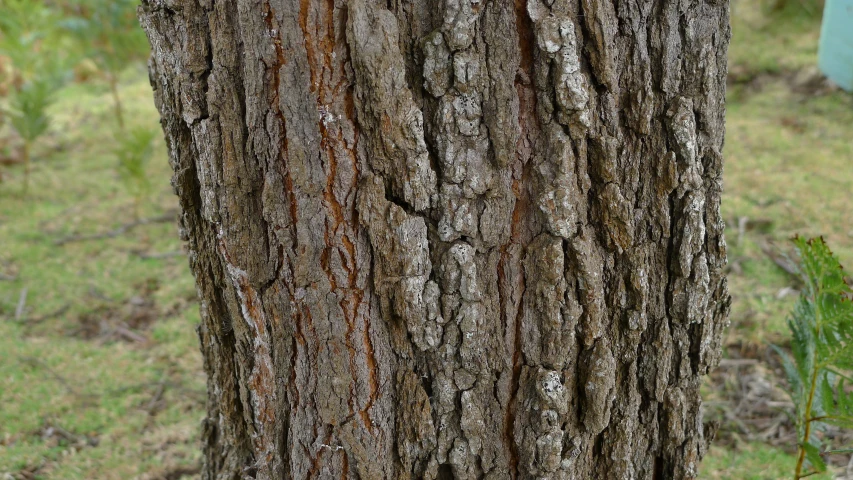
140	403
799	178
788	166
788	162
753	461
768	40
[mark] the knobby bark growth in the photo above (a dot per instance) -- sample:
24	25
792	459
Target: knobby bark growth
449	239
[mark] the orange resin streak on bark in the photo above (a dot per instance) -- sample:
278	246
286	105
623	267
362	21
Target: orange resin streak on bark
529	126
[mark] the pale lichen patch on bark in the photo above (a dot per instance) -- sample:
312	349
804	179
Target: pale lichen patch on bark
598	387
393	124
556	38
437	64
261	380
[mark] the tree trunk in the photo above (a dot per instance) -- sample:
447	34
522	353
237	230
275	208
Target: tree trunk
450	239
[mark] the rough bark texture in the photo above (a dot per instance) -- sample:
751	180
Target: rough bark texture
450	239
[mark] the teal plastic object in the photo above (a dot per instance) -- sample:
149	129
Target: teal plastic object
835	54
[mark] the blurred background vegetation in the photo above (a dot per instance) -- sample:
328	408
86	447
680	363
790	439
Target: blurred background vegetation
100	375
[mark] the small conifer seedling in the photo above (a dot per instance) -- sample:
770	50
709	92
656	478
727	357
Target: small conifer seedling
110	35
29	39
28	115
133	151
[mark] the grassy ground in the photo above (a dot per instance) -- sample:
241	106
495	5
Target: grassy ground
788	171
100	375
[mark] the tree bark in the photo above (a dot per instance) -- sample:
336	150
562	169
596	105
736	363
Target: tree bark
449	239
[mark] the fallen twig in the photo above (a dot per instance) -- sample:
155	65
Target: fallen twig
155	399
155	404
53	430
128	334
29	472
22	302
782	405
168	217
781	260
59	311
158	256
787	291
745	224
741	228
8	278
737	362
180	472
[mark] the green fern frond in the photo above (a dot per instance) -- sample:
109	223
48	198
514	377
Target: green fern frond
821	359
792	374
813	456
